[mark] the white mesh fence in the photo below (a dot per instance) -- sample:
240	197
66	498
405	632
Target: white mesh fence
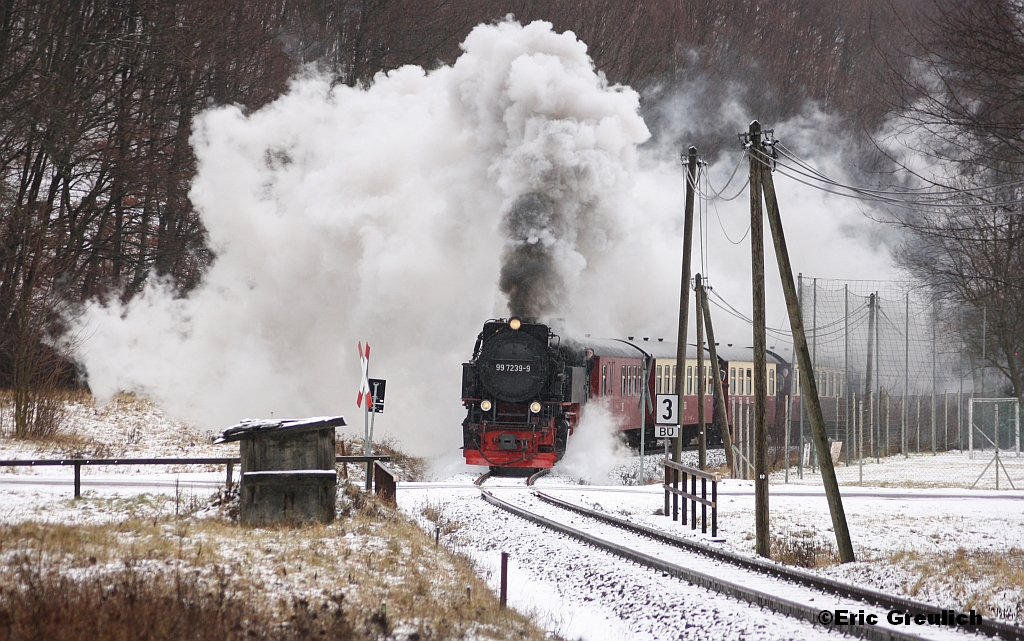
896	386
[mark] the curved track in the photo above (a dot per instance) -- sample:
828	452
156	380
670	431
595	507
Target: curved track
796	590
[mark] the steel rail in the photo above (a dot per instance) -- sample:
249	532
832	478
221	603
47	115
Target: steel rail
749	595
988	626
530	480
735	590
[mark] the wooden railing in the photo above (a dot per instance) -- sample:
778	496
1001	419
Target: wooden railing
228	461
676	474
384	483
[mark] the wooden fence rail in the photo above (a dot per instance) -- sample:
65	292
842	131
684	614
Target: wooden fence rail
676	473
230	462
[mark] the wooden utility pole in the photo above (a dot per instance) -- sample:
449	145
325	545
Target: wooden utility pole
702	450
865	419
761	522
720	413
808	386
684	295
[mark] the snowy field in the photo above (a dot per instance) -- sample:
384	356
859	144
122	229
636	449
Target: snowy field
950	546
975	470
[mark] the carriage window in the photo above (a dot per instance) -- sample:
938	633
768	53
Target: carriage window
657	379
689	379
750	382
674	368
732	380
622	381
771	382
604	380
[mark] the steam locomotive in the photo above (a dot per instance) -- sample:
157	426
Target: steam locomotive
523	391
525	387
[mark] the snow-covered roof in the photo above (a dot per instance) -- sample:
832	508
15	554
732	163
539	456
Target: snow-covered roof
624	348
252	427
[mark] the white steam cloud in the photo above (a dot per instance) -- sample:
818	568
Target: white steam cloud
389	214
594	449
340	214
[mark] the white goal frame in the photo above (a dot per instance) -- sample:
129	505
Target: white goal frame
995	433
995	444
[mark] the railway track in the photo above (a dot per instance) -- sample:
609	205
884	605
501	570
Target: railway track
793	592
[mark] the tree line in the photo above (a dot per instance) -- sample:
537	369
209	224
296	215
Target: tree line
964	106
97	100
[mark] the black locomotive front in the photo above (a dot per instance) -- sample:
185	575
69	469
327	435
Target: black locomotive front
522	391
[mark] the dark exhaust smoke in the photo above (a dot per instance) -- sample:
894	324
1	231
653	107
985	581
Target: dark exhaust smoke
529	274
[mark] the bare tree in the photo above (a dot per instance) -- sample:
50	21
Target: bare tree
963	105
95	163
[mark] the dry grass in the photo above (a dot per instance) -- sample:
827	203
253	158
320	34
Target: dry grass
79	408
990	582
371	574
410	468
802	549
52	425
138	603
47	417
444	524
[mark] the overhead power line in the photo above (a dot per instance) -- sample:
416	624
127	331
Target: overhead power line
802	172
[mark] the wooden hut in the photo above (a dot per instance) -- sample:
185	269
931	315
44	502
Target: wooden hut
288	470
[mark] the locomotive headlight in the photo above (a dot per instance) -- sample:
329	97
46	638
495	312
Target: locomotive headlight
535	407
515	323
485	406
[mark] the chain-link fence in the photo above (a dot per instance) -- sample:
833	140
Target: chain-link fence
899	393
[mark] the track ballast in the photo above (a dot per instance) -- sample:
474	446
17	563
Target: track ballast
792	594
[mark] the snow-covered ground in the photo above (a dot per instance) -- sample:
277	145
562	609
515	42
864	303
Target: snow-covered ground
951	546
899	535
975	470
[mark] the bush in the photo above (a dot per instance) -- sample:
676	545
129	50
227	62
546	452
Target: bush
152	605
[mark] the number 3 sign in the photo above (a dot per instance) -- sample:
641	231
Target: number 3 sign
666	409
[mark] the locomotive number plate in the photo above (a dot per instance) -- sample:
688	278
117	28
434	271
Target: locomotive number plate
512	368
